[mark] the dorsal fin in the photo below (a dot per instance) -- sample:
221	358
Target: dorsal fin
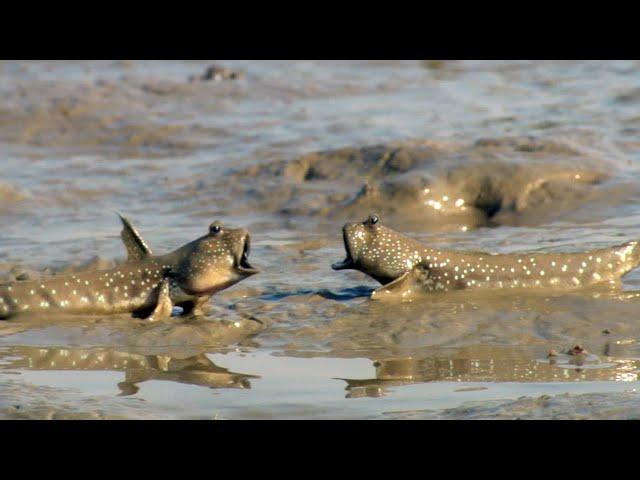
137	249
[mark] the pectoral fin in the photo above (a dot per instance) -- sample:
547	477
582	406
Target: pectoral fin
403	287
164	306
137	248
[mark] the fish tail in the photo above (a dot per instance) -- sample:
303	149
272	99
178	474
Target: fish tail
635	253
628	256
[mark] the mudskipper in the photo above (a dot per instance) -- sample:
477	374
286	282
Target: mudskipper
147	285
405	266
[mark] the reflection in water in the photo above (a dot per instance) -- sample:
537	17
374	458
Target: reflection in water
344	294
490	364
194	370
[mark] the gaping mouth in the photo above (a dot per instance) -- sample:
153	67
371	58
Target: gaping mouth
348	262
244	264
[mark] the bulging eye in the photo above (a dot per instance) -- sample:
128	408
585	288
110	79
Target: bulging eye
372	220
215	227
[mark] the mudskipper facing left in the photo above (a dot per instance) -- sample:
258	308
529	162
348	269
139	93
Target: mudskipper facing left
146	285
405	266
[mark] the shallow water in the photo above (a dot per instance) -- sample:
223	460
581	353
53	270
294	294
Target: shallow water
529	155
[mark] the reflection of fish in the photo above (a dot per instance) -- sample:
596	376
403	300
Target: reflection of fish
404	265
146	284
488	364
194	370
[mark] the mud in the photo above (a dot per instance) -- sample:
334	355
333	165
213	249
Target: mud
489	156
507	181
601	406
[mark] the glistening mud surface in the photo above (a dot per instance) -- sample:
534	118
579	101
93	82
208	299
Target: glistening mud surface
493	156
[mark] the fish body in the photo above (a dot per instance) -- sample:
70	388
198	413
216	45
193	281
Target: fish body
186	277
401	263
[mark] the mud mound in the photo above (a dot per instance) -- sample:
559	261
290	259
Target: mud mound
526	144
477	195
510	181
373	162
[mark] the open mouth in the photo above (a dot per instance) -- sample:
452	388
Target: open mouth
348	262
244	264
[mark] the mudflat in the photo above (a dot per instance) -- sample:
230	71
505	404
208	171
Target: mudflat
498	157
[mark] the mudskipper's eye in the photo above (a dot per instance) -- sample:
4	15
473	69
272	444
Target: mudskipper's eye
373	219
215	227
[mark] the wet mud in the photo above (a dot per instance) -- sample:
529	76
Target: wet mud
479	156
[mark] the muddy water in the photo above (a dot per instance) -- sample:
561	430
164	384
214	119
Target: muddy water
497	156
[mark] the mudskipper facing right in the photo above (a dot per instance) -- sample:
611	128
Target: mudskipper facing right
147	285
405	266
